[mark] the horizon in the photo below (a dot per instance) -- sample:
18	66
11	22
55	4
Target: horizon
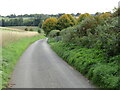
21	7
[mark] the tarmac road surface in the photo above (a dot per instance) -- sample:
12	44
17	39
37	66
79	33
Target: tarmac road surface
41	67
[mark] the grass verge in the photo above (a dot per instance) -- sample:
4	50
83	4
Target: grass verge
92	63
10	55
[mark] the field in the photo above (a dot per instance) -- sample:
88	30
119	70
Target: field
11	36
14	42
24	18
23	27
20	28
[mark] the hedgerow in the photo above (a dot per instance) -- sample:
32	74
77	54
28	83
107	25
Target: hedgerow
93	48
91	63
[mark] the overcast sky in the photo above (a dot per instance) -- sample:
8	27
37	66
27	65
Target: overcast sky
18	7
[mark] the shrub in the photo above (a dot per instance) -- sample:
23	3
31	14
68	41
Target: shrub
91	63
106	74
49	24
39	31
68	34
94	33
108	35
26	29
88	23
54	33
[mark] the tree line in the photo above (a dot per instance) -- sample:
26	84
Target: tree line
32	19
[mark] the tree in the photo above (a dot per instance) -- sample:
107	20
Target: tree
83	16
40	23
73	20
105	15
116	12
49	24
3	23
65	21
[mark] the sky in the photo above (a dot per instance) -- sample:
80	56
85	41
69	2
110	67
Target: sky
19	7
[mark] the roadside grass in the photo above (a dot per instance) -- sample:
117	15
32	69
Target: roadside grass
91	63
11	53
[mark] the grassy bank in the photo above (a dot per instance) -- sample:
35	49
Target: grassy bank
11	53
91	63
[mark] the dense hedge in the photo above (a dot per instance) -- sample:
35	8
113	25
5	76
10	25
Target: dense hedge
93	48
94	33
90	62
54	33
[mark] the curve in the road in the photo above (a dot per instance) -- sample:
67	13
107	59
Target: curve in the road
40	67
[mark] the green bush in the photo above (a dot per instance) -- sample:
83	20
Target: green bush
90	62
95	33
68	34
54	33
39	31
107	75
83	16
93	48
26	29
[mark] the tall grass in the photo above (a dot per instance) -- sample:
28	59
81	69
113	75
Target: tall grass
12	44
10	29
11	36
23	27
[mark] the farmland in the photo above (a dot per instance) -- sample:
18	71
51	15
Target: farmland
82	50
12	36
24	27
14	42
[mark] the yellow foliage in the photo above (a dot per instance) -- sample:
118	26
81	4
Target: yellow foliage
83	16
105	15
65	21
49	24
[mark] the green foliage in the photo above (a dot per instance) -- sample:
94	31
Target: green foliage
68	34
54	33
106	74
95	33
10	55
90	62
49	24
65	21
116	12
105	15
88	23
83	16
93	48
23	20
